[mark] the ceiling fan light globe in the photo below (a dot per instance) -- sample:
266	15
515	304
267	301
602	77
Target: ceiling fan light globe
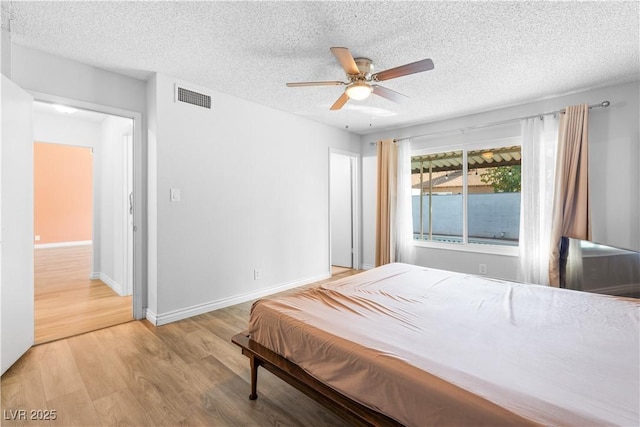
358	91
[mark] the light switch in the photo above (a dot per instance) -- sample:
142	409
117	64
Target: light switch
174	194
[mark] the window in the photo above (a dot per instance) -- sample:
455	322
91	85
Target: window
467	196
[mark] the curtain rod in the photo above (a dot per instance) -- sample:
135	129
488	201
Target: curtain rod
603	104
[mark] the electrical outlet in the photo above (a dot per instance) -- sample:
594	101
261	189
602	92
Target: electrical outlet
257	274
483	268
37	238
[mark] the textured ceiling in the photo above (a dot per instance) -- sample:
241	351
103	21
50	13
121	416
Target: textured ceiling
487	54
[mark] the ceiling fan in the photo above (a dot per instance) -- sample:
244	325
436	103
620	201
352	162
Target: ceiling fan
361	79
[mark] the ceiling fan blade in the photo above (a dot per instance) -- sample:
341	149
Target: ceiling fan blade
391	95
346	60
340	102
403	70
327	83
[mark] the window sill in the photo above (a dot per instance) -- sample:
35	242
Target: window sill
470	247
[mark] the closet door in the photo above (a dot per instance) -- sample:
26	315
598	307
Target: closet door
341	210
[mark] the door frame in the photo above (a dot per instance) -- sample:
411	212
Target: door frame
139	232
127	189
355	203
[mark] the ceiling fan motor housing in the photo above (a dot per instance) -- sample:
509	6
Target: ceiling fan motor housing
365	65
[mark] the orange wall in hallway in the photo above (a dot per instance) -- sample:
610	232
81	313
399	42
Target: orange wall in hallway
63	183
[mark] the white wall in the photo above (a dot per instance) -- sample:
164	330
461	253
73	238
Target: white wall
254	187
5	50
66	129
369	182
152	195
38	71
614	173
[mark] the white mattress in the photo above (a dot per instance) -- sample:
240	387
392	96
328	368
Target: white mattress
427	346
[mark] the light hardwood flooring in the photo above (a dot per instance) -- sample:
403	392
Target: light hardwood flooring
185	373
335	270
66	301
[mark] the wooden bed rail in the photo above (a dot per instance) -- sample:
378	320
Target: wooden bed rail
343	406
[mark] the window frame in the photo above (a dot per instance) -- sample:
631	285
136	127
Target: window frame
465	246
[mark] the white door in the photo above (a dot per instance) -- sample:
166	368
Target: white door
16	224
341	210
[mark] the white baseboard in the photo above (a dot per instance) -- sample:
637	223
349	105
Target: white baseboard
62	244
368	266
151	317
159	319
117	288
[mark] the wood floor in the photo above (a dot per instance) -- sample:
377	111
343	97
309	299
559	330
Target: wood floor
185	373
67	302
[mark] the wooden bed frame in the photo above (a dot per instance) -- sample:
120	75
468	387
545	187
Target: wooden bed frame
343	406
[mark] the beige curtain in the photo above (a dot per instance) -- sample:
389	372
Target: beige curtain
571	215
386	196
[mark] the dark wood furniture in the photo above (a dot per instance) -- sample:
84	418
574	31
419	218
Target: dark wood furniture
352	411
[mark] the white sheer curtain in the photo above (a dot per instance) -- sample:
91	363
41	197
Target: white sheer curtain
405	251
539	143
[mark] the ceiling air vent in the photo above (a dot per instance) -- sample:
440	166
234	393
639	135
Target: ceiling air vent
193	98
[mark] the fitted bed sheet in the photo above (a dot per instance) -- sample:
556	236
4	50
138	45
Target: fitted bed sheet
427	346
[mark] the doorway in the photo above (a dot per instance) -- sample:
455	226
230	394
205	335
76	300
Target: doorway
343	184
83	220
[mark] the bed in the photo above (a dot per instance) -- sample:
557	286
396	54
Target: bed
408	345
